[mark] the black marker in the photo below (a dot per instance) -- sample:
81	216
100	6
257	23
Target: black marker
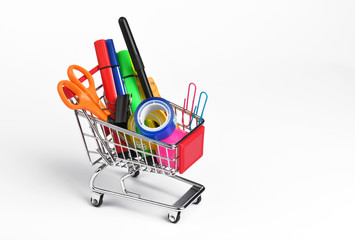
135	56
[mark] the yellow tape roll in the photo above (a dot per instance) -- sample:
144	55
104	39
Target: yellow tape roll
156	116
155	91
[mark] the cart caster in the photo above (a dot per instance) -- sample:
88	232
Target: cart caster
96	201
174	217
135	174
198	200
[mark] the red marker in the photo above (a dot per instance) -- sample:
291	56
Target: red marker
109	86
106	75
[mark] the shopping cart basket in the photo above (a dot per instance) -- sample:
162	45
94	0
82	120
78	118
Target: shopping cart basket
112	146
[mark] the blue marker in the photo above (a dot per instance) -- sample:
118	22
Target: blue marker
120	88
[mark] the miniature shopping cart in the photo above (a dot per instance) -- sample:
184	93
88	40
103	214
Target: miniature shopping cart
110	146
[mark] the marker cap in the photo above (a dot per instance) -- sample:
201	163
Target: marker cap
125	63
102	54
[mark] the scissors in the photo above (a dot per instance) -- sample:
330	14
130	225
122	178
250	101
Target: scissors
87	98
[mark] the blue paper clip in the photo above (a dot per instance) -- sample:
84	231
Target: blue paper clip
198	106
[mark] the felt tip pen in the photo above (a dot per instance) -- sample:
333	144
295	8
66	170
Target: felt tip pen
106	75
120	88
129	78
136	58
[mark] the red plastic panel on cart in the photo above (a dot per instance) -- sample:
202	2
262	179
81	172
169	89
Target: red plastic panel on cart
191	149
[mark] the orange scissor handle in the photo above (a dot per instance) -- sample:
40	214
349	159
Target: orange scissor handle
84	100
90	91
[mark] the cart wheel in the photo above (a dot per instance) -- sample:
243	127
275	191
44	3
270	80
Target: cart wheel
198	200
174	218
96	202
135	174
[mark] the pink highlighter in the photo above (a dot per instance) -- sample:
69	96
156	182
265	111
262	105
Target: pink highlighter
175	137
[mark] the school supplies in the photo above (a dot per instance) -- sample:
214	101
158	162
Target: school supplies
122	110
155	116
153	104
187	104
197	108
119	85
153	86
174	138
131	82
70	94
155	141
136	58
106	75
128	77
86	97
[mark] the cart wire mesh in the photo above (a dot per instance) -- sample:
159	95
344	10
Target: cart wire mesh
118	147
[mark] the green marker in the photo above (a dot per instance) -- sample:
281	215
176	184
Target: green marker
128	77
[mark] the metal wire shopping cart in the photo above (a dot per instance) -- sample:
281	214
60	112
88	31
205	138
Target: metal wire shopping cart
118	147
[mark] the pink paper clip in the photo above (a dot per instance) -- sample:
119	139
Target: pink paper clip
187	104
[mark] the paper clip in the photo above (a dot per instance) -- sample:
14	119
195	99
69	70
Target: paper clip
197	108
187	104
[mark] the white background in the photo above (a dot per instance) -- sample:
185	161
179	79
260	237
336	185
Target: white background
280	119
